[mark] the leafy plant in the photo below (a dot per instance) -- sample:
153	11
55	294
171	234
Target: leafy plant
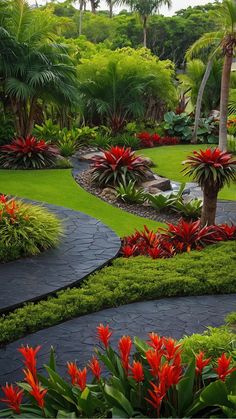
26	229
6	129
178	125
162	202
126	140
48	131
117	164
231	144
211	169
67	145
208	130
102	141
128	192
27	153
189	209
153	382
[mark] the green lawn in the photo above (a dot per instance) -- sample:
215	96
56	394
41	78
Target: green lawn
168	162
59	188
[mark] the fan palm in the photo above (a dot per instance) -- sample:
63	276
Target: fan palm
223	40
145	8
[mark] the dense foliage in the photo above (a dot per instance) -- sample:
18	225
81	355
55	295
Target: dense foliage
154	382
25	229
127	281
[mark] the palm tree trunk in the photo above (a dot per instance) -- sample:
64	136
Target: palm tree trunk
145	31
80	16
199	99
93	6
110	9
30	119
224	97
209	206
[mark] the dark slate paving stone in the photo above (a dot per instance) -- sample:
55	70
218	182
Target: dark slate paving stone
87	245
75	339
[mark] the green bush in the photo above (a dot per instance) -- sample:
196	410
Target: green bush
127	281
231	318
129	192
26	229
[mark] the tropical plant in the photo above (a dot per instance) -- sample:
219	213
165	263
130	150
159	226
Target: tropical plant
126	140
231	144
208	130
178	125
143	384
211	169
162	202
27	153
26	229
67	146
117	164
129	192
190	210
224	41
48	131
6	129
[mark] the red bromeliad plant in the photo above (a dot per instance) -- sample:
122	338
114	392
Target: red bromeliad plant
117	164
182	237
143	379
151	140
27	153
211	169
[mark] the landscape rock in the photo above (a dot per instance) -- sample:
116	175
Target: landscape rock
109	193
158	182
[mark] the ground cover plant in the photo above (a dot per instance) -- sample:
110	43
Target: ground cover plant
154	382
127	281
28	153
26	229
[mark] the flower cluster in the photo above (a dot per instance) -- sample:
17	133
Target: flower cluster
183	237
8	210
151	140
151	382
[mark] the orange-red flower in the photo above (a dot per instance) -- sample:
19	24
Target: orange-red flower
223	364
171	348
125	344
37	391
82	378
72	371
201	362
95	367
13	397
169	375
78	377
104	334
155	342
29	355
157	395
137	371
154	360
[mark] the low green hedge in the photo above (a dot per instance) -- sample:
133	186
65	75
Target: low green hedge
211	271
231	318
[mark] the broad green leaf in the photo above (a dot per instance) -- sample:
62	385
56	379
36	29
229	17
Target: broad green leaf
120	400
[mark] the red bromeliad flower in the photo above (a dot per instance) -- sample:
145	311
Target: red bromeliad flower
128	251
13	397
223	364
95	367
156	342
37	391
201	362
78	377
104	334
171	348
169	375
3	199
81	378
125	344
157	395
227	232
137	371
72	370
154	360
29	355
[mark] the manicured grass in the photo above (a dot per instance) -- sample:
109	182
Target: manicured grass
211	271
168	161
59	188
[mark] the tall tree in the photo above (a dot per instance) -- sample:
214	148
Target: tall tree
111	4
145	8
225	41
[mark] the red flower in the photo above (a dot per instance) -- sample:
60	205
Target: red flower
104	334
72	371
155	342
157	395
223	369
29	355
169	375
94	366
13	397
125	344
154	360
128	251
37	391
137	371
171	348
201	362
81	378
3	199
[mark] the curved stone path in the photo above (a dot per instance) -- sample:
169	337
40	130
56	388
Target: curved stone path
75	339
86	246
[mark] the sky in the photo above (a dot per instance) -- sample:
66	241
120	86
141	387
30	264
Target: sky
176	5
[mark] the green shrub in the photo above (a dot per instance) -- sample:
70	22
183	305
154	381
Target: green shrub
48	131
26	229
178	125
127	281
129	192
126	140
190	210
231	318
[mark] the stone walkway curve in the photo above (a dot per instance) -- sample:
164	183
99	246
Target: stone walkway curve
86	246
75	339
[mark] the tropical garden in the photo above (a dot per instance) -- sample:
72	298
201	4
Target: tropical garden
126	119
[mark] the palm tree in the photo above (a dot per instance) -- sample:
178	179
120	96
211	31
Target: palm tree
32	65
111	4
145	8
223	40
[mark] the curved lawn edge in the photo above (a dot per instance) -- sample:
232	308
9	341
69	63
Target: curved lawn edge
211	271
86	246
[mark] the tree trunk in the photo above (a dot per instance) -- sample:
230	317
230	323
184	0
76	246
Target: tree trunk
145	31
209	206
30	119
93	6
80	16
224	97
110	9
199	99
